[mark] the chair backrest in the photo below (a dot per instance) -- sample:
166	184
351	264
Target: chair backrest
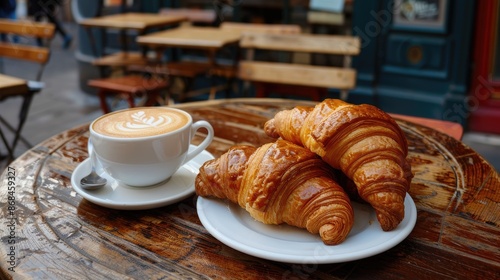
22	48
261	28
310	43
299	74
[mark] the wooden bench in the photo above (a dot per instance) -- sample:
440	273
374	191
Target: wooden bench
21	50
299	79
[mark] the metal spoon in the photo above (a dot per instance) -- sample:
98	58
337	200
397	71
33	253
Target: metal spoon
92	181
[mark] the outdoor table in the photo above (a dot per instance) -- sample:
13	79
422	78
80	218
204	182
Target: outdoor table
50	232
140	22
12	86
209	40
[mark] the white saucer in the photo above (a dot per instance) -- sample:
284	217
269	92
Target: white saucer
233	226
120	196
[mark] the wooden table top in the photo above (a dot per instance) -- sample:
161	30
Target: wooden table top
12	86
454	130
190	37
56	234
134	21
193	15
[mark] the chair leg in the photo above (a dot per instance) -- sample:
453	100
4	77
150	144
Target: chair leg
130	100
153	98
213	88
102	100
175	81
212	93
319	94
23	115
229	86
245	88
10	153
260	90
13	129
188	84
344	94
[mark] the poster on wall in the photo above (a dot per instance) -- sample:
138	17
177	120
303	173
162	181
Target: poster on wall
426	15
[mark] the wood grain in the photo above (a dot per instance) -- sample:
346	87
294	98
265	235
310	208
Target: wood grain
59	235
27	28
326	44
294	74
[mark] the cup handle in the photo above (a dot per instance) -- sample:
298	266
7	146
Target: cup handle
210	136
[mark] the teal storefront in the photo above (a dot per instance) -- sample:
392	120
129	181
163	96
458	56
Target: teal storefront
415	56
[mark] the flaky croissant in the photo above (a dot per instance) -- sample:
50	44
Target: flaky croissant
280	183
362	141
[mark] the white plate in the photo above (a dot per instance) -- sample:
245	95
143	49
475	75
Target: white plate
233	226
119	196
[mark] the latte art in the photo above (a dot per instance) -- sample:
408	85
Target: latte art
140	122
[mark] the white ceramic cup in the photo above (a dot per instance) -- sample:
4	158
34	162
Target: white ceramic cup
152	152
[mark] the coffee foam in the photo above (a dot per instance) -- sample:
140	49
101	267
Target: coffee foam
140	122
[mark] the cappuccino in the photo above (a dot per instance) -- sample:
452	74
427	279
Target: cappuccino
140	122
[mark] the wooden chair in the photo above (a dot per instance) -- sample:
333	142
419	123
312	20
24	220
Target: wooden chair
262	28
26	32
230	71
184	70
298	79
147	86
130	87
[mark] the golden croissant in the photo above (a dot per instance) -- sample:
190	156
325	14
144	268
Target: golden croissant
280	183
364	142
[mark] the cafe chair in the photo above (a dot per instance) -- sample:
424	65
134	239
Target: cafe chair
27	33
147	88
229	71
182	74
305	80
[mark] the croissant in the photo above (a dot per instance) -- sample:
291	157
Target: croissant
364	142
280	183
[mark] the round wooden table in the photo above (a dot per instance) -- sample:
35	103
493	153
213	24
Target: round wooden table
50	232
